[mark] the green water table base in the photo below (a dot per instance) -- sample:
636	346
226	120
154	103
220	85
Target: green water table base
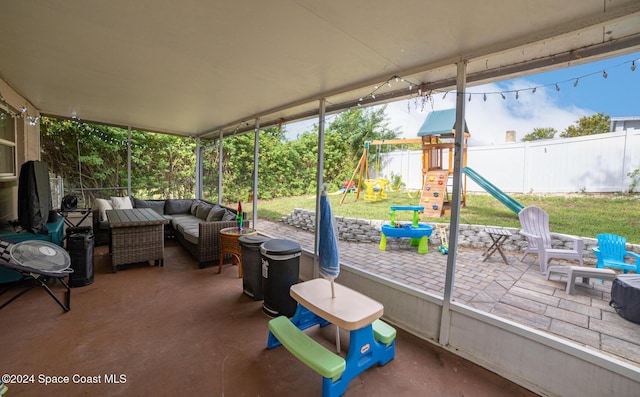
419	236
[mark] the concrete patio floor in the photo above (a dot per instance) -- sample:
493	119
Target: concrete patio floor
179	330
516	292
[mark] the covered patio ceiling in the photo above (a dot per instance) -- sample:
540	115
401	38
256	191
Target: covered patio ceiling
196	68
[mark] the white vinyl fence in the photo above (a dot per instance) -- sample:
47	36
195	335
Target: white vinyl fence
596	163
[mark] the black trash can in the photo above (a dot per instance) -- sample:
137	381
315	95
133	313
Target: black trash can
80	243
280	270
252	265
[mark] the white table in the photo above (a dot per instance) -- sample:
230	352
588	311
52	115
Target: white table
349	310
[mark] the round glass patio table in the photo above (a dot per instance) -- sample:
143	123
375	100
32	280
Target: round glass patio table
229	244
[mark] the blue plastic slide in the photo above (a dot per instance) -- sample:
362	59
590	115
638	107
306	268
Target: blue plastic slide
501	196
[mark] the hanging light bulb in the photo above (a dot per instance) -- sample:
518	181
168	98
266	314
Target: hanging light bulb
604	74
420	91
502	95
397	78
469	97
534	90
557	87
410	87
633	66
517	95
484	96
445	95
389	84
373	96
576	83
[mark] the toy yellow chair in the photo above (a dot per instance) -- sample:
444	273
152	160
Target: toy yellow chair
370	194
382	183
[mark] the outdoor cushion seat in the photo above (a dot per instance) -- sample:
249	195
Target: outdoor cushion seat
195	224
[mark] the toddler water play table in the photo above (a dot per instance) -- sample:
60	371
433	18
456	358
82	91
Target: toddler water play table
418	232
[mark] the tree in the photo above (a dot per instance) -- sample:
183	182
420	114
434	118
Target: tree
588	125
163	166
359	125
539	134
94	156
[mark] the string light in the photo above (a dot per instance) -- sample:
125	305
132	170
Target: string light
556	85
24	112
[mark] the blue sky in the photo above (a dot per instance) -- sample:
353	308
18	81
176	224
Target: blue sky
618	95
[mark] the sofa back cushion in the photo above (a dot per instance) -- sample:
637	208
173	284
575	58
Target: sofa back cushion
228	215
178	206
216	214
156	205
202	211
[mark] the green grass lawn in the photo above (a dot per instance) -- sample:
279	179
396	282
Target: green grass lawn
581	215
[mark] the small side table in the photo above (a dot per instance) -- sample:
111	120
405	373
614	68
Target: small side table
229	245
498	236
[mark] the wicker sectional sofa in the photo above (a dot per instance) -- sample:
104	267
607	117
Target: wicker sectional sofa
196	224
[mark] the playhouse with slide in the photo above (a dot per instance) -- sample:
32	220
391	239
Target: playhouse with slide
437	139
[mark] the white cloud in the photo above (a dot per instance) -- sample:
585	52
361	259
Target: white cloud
489	120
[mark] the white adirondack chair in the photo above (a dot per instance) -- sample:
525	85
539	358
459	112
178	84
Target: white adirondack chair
535	227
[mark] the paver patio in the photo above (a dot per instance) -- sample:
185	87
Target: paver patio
517	291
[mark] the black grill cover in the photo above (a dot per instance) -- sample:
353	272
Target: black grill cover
34	196
625	296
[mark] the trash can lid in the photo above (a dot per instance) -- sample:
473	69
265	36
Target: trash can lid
280	246
252	240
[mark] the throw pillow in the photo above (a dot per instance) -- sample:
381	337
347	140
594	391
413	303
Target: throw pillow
121	203
216	214
194	207
202	211
228	216
103	205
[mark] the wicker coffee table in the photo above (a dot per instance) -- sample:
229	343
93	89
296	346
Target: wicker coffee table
137	235
229	245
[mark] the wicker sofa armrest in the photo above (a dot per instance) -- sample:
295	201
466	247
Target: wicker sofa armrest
209	235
